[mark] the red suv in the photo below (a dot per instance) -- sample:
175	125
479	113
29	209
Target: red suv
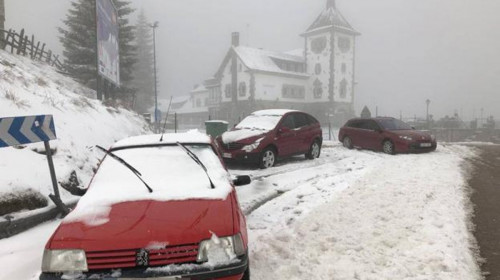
161	209
266	135
387	134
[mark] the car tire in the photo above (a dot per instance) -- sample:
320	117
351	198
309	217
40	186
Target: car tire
347	142
314	150
388	147
267	158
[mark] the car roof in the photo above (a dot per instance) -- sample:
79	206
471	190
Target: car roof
273	112
191	137
376	118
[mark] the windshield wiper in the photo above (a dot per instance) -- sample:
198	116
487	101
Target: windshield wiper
130	167
198	161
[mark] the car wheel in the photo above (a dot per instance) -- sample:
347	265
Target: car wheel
388	147
347	142
314	150
267	158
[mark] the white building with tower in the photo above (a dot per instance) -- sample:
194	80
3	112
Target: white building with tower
318	79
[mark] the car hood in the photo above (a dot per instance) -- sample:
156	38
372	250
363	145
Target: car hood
142	224
243	135
414	134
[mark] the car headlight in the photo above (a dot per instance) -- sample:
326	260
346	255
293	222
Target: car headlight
251	147
220	249
64	261
404	137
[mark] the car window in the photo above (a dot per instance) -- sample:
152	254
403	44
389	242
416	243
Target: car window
289	122
394	124
300	120
312	120
372	125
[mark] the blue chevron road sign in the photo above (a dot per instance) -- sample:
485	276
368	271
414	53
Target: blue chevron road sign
25	130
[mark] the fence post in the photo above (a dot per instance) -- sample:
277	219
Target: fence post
21	38
175	122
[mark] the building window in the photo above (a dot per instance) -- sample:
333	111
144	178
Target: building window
240	67
344	44
317	69
343	88
198	102
318	89
293	91
318	45
242	89
343	68
227	91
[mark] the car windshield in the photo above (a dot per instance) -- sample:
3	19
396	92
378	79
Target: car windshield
394	124
260	122
169	170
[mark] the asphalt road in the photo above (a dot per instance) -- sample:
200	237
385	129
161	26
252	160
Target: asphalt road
485	182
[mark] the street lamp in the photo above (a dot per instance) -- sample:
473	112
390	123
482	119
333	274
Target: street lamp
427	102
154	26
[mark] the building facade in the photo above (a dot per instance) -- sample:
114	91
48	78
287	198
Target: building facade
319	79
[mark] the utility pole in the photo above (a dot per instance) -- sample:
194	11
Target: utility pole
427	102
154	26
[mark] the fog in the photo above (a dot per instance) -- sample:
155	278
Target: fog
409	51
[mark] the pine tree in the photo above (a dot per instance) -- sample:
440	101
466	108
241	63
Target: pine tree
143	80
78	38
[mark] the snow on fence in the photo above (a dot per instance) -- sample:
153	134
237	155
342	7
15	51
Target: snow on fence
21	44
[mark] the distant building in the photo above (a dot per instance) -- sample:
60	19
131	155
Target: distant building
319	79
2	18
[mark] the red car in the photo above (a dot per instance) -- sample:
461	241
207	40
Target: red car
267	135
161	209
389	135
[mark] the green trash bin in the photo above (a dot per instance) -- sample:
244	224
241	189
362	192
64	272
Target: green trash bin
215	128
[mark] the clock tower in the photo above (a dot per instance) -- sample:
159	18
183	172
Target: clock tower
330	54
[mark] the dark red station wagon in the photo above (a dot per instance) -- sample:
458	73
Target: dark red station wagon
264	136
387	134
159	209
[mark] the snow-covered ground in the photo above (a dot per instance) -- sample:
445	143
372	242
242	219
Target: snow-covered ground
33	88
347	215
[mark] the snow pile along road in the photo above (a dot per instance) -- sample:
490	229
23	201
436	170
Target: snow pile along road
32	88
368	216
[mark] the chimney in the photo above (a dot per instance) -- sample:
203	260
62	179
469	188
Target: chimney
235	39
330	4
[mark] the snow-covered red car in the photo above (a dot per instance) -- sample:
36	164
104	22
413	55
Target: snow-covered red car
264	136
161	207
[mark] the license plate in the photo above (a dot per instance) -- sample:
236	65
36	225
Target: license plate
227	155
425	145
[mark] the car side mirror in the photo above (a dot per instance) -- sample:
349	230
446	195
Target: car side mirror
242	180
412	127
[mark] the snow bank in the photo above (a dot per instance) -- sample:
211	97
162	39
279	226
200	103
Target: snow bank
400	217
30	88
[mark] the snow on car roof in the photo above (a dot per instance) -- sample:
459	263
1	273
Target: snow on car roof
193	136
273	112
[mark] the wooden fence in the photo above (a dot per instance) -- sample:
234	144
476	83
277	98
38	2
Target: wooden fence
22	44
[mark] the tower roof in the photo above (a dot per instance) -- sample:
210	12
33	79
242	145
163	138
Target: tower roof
331	17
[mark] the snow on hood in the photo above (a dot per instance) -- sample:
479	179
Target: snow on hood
168	170
240	134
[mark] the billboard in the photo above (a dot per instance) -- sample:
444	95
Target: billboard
108	30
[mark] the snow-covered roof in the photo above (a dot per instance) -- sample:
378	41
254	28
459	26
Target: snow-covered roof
331	17
296	52
262	60
193	136
273	112
199	88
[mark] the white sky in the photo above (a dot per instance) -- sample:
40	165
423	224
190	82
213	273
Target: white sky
444	50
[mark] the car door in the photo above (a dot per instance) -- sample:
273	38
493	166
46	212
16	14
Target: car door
371	135
286	139
354	131
303	130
